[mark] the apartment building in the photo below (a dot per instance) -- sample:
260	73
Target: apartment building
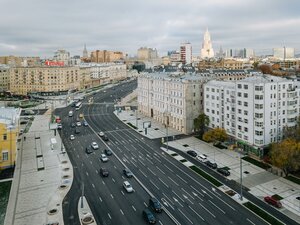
177	99
254	110
102	56
44	80
4	78
186	53
9	128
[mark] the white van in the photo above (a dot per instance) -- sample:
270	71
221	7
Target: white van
70	113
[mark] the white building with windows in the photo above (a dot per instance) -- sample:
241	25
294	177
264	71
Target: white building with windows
255	110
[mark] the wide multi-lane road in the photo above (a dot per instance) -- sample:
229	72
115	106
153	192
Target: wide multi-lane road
187	198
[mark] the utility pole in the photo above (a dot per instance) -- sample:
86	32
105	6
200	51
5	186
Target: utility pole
241	174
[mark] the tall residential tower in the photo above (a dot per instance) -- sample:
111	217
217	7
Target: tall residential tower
207	50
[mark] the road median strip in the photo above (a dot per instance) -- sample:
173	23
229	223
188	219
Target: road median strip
206	176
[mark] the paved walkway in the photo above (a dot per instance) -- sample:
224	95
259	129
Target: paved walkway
260	182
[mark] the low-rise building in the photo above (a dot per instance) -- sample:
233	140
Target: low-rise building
9	130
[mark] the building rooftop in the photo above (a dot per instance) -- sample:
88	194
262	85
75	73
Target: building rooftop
9	116
264	78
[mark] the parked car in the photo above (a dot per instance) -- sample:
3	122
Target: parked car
107	152
127	186
192	153
211	164
103	158
127	173
88	150
223	171
148	216
72	137
273	201
105	138
104	172
94	145
202	157
85	123
101	134
78	123
155	205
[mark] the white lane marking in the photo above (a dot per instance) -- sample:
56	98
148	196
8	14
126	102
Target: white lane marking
100	199
217	206
250	221
109	215
151	171
188	194
122	192
160	222
91	162
168	168
173	181
145	204
163	182
177	195
207	210
198	191
188	199
168	198
121	212
157	159
160	170
87	173
185	216
142	163
115	167
77	156
111	196
154	184
97	171
181	178
113	180
93	185
103	182
143	173
196	213
149	161
133	208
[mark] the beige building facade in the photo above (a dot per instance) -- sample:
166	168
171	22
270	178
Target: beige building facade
103	56
4	78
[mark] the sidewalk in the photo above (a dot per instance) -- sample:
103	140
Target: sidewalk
260	182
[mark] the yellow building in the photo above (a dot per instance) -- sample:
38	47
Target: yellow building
9	130
101	56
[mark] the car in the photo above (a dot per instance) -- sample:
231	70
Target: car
202	157
72	137
85	123
94	145
223	171
81	115
273	201
155	205
104	172
192	153
107	152
103	158
127	186
105	138
77	130
78	124
101	134
211	164
59	126
88	150
127	173
73	125
148	216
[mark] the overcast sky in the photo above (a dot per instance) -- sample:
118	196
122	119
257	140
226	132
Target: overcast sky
39	27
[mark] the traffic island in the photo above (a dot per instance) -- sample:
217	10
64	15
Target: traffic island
84	212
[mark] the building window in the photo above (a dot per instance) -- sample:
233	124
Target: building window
4	137
246	129
245	95
245	86
258	97
239	94
246	104
245	120
258	88
258	133
239	86
239	111
5	156
258	115
245	113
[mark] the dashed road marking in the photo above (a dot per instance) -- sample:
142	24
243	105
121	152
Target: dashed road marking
185	216
109	215
111	196
100	199
93	185
121	212
133	208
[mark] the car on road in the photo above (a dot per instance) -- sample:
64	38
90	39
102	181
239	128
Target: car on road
192	153
72	137
105	138
155	205
88	150
211	164
127	173
148	216
108	152
101	134
271	200
94	145
223	171
103	158
81	115
127	186
104	172
202	157
85	123
78	124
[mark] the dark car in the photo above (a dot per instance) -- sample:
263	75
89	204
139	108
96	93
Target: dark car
192	153
105	138
77	130
211	164
88	150
127	173
148	216
155	205
107	152
104	172
223	171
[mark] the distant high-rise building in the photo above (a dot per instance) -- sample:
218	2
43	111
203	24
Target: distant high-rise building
145	53
221	53
85	52
62	56
284	53
186	53
207	50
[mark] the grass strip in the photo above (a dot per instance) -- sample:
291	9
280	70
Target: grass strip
4	190
206	176
293	179
277	197
266	216
130	124
257	163
183	160
174	154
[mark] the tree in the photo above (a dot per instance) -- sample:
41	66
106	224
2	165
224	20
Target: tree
214	135
286	155
200	123
265	69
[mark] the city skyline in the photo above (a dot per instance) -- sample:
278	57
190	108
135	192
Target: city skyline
40	28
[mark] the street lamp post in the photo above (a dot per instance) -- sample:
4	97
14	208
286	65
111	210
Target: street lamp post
241	174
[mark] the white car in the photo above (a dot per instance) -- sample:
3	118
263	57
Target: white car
78	124
103	158
101	134
202	157
72	137
127	186
94	145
